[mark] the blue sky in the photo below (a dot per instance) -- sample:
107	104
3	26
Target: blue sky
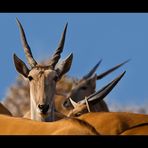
112	37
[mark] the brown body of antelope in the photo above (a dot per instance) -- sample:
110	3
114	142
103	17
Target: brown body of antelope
101	123
140	129
4	110
42	78
117	123
84	88
20	126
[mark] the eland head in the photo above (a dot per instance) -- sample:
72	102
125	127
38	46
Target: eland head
42	79
87	84
84	105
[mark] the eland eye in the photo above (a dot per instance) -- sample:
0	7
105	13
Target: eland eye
30	78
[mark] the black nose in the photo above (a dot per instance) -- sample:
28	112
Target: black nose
43	108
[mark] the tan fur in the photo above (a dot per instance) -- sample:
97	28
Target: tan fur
141	129
114	123
39	86
57	116
40	92
20	126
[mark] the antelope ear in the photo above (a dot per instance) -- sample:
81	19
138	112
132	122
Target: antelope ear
20	66
64	66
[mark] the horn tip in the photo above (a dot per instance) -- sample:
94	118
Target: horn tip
99	62
126	62
71	55
123	74
17	20
66	27
14	55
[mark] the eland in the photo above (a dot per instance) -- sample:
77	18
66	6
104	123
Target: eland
42	78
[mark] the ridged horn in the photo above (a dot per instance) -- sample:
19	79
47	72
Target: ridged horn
100	76
56	56
26	47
